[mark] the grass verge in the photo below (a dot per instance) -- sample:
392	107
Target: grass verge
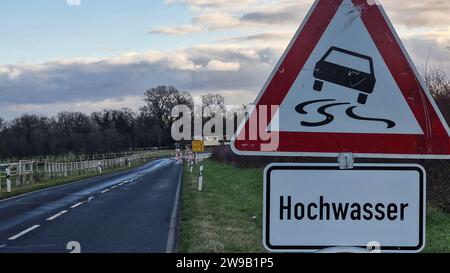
15	191
221	218
226	216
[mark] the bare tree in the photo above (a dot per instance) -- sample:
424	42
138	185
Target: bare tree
2	124
215	101
160	102
438	83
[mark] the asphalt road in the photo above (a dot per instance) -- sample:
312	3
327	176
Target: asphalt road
133	211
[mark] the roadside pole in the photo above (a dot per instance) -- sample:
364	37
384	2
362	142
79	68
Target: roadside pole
200	179
8	180
191	161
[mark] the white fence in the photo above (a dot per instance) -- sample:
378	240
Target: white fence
23	172
28	172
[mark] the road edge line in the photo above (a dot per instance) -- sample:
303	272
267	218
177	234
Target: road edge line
174	219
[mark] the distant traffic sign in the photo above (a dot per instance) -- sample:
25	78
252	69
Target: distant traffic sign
198	146
309	207
346	85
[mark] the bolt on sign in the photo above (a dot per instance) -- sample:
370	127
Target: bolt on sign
345	85
198	146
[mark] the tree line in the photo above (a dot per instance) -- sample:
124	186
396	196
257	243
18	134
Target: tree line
106	131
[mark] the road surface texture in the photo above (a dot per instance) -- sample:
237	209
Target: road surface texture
134	211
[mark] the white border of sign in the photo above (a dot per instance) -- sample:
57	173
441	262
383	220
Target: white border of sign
309	249
393	156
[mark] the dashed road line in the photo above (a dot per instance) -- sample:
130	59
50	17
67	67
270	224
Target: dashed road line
90	199
57	215
24	232
105	191
77	205
3	246
113	187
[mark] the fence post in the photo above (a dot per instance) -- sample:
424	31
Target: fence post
8	179
45	170
19	173
31	172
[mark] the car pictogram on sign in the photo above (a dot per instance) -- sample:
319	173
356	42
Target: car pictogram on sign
328	70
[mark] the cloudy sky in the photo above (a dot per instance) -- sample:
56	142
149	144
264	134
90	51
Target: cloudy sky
86	55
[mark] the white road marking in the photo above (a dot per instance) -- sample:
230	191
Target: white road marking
24	232
3	246
105	191
113	187
57	215
90	199
77	205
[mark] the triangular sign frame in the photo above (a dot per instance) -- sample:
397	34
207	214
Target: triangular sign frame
433	143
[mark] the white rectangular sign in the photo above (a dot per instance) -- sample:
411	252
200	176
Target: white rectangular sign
309	207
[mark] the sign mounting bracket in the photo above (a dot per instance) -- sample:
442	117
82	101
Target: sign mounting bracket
346	161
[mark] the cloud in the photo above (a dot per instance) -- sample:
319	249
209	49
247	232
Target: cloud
94	84
10	111
216	65
73	2
177	30
291	14
11	73
428	51
276	39
419	14
212	15
216	21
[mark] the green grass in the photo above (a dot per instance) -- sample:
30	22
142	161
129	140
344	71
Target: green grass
15	191
438	232
220	219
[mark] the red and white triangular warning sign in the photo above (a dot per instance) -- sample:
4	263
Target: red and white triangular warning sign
345	85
